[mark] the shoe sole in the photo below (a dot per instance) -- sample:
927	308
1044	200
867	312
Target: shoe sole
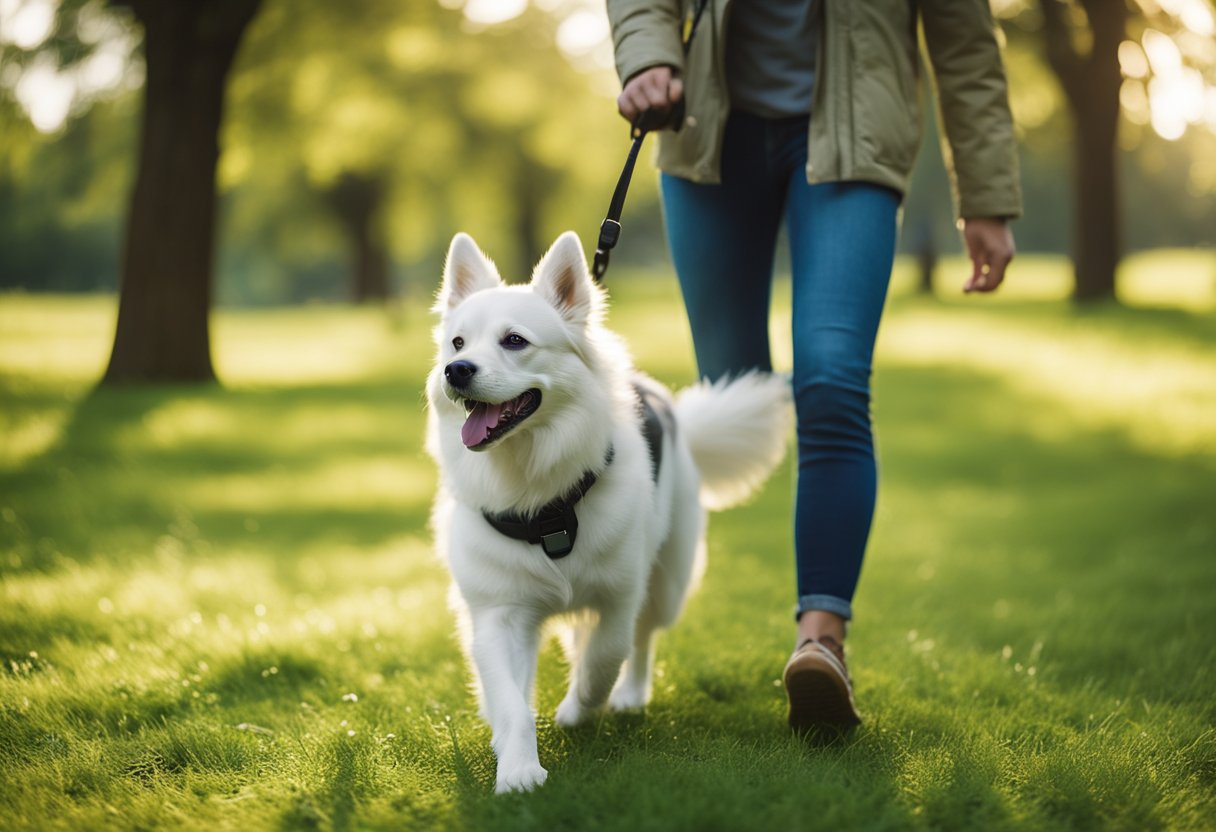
819	696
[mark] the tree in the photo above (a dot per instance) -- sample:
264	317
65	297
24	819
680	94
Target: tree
356	200
166	284
408	121
1091	80
1086	43
345	102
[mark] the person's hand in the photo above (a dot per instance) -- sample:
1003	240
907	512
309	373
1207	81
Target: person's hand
990	245
656	89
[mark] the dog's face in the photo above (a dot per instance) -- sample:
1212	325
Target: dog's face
510	357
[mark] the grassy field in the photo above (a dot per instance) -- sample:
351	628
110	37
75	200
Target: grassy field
219	608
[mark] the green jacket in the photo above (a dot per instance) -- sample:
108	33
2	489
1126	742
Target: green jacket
865	116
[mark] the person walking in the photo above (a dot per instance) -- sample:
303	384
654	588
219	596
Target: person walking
807	112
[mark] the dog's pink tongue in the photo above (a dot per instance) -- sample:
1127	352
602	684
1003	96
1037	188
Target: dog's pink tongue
481	420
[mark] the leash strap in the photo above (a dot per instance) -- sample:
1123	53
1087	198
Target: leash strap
610	228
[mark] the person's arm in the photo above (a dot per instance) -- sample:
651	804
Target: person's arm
649	56
978	144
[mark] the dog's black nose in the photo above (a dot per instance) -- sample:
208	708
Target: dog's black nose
460	373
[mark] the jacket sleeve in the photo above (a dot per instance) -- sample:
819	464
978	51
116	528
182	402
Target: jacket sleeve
978	144
645	33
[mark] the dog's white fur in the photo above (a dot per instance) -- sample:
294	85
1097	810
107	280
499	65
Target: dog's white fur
640	544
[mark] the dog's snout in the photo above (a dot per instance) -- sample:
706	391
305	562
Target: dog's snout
460	373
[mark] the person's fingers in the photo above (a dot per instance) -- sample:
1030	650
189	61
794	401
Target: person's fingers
988	272
990	246
651	89
996	272
636	102
625	107
632	102
675	90
975	283
654	84
976	280
1000	254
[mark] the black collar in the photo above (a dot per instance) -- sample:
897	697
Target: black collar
553	526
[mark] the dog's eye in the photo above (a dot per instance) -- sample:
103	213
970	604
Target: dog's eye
457	343
515	342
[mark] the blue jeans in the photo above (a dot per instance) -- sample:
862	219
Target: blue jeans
842	245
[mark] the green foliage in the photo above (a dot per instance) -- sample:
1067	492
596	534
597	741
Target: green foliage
490	130
194	581
61	203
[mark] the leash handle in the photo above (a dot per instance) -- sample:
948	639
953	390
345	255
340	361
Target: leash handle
648	120
610	228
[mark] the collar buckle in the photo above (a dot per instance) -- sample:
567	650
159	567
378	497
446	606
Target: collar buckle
557	544
558	531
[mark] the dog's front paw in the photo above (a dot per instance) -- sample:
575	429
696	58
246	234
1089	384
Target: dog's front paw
520	778
627	697
570	712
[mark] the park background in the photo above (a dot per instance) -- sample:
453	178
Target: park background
218	603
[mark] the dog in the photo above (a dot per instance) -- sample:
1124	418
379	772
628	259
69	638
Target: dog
571	486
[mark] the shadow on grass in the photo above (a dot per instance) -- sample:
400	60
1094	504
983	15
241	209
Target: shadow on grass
343	784
136	464
334	807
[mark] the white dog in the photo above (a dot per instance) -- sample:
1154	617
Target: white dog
570	484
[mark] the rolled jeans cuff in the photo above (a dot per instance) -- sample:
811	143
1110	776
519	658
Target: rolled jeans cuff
827	603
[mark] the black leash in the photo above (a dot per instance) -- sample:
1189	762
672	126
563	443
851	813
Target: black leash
610	229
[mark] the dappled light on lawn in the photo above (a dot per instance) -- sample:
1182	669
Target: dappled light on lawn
55	344
1168	278
1182	279
1158	391
222	603
260	349
27	438
359	485
210	422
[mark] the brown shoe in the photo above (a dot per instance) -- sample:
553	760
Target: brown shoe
817	682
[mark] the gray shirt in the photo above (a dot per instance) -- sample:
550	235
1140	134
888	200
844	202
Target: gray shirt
770	56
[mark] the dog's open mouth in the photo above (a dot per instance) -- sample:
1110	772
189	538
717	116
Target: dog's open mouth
489	421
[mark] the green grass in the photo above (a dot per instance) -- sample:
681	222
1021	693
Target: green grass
219	608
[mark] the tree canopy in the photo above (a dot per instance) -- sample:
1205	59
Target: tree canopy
391	125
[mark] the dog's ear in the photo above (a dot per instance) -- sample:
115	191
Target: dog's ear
466	271
561	277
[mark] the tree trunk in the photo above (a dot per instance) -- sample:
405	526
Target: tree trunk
1097	244
533	182
165	293
1091	81
357	200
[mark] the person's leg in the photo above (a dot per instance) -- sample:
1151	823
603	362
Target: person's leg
722	239
842	245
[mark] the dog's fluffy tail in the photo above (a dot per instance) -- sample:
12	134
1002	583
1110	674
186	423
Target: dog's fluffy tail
737	430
